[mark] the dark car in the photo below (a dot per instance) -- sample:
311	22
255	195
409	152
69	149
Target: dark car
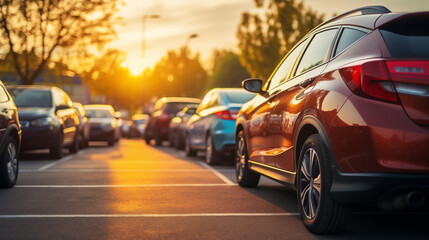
83	127
177	128
212	127
10	140
47	118
345	118
138	125
104	123
163	111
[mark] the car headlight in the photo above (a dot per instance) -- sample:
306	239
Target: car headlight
46	121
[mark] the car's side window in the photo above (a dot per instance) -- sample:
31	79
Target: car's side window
3	95
348	37
284	68
317	51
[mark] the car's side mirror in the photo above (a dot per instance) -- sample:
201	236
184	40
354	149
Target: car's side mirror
253	85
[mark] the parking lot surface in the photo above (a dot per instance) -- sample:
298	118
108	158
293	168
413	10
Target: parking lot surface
137	191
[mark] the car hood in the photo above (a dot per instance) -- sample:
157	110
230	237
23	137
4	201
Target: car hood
30	113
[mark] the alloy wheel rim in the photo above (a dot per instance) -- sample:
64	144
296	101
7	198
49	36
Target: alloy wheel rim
240	159
310	183
12	164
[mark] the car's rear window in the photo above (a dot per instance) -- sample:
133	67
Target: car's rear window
175	107
239	97
407	38
24	97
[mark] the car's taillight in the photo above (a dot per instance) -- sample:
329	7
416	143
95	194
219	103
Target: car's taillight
370	79
225	115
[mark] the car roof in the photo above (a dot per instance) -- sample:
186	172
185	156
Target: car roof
41	87
179	99
370	17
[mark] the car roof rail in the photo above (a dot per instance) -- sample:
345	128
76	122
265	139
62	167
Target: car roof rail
363	10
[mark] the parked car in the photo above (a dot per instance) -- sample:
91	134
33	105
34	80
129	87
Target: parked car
103	123
138	126
177	126
47	118
212	127
347	118
10	140
126	128
83	127
163	111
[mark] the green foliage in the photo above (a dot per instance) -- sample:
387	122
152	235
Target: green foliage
178	74
264	41
227	71
50	27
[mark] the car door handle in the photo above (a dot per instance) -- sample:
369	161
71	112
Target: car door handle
307	82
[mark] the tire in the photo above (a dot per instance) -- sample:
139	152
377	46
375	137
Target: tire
171	138
74	147
9	164
189	152
244	175
213	157
320	213
81	140
56	151
111	141
158	139
178	141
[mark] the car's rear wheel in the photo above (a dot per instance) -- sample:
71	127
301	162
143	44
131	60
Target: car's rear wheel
56	151
245	176
189	152
74	147
158	139
320	213
213	157
9	164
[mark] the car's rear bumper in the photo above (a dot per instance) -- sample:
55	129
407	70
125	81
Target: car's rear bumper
223	134
372	187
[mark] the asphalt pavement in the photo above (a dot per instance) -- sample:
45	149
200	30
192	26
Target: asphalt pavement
138	191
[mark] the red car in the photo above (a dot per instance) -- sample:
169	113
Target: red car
344	118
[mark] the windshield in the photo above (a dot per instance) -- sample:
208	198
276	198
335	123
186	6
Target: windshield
98	113
175	107
24	97
239	96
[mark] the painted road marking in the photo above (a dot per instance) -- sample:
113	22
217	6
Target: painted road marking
149	215
218	174
64	159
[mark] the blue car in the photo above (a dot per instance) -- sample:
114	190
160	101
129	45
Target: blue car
212	127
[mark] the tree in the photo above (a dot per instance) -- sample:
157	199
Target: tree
48	27
263	42
227	70
178	74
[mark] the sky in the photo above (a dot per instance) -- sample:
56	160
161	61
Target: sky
215	23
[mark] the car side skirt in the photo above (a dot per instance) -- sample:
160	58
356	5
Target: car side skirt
284	177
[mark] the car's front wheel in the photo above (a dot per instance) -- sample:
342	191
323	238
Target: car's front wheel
9	164
213	157
245	176
320	213
56	151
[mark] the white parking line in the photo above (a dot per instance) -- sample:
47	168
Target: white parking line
218	174
64	159
125	186
149	215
